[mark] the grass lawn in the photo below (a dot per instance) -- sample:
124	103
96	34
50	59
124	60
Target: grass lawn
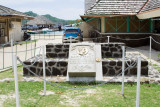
28	42
156	67
108	95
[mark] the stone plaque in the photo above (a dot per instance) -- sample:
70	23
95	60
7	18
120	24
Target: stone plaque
82	61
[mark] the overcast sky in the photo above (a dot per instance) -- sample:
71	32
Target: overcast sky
64	9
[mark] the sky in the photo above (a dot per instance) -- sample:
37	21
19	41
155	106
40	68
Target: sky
64	9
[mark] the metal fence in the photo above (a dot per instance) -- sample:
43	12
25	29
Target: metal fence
28	49
24	50
138	64
46	36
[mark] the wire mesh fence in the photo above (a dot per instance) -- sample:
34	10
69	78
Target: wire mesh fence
24	50
50	35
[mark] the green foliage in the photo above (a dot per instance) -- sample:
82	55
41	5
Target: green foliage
53	19
156	67
159	55
30	13
77	22
51	59
58	21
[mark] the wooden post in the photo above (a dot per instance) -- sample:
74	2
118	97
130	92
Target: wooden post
151	26
102	24
105	25
128	24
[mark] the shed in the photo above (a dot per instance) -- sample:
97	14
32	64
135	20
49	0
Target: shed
121	18
10	24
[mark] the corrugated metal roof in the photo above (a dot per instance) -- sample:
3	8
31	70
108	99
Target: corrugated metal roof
116	7
152	4
5	11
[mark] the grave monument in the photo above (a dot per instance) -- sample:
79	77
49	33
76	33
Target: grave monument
84	63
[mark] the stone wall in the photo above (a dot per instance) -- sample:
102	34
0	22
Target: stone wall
53	67
57	61
121	38
112	50
57	50
111	67
155	45
114	67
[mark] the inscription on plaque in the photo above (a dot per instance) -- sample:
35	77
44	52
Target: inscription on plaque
82	61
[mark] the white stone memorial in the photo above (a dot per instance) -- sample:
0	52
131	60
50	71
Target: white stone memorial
84	62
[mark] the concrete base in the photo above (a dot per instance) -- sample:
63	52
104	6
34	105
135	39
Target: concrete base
81	79
99	72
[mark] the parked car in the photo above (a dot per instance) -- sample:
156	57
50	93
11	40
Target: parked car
72	35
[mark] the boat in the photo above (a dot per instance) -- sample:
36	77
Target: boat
32	32
46	30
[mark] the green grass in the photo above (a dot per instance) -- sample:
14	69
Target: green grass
9	73
159	55
108	95
52	59
156	67
28	42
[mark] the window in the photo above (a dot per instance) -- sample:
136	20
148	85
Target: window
2	29
71	31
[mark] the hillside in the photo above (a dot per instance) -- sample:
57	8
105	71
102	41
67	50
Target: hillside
31	13
53	19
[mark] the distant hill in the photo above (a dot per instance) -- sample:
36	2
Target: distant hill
53	19
31	13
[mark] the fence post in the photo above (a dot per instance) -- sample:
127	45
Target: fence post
16	49
26	51
49	34
123	68
16	80
44	70
12	53
150	51
138	81
70	39
108	38
3	56
54	34
35	48
31	49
